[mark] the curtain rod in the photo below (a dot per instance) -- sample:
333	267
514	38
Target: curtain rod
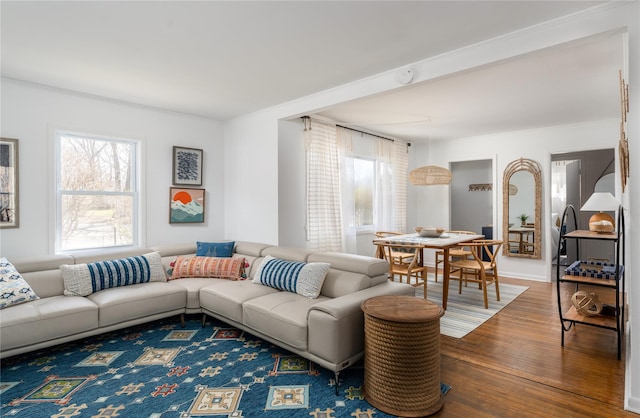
362	132
367	133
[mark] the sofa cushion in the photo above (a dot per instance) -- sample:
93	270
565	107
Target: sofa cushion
287	253
252	252
222	268
85	279
226	298
340	283
253	249
122	304
192	286
350	273
306	279
370	266
172	250
14	289
46	319
214	249
43	273
281	315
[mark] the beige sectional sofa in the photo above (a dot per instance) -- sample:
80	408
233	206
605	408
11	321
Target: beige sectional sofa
327	330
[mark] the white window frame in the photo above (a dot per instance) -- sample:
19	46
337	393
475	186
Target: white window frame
135	192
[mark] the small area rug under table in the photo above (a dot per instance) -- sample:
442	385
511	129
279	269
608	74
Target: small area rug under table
162	370
465	312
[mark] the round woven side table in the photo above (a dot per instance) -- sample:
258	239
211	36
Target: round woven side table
402	355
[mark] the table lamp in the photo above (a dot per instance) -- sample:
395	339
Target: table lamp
601	201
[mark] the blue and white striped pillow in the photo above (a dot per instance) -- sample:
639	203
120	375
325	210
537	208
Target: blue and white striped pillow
84	279
305	279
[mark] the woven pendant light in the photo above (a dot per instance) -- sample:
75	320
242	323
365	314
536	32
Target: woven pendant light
430	175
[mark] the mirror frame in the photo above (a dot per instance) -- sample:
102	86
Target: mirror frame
531	166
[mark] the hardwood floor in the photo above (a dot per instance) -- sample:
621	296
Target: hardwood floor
514	365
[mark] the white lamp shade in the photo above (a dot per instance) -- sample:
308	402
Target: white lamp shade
600	202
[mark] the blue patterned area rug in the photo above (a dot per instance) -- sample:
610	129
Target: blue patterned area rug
162	370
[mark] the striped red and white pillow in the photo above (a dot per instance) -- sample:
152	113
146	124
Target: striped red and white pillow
209	267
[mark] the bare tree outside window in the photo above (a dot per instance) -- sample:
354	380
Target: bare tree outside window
363	179
96	192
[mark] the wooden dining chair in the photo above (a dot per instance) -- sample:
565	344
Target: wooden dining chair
455	253
514	243
528	245
475	269
413	270
396	254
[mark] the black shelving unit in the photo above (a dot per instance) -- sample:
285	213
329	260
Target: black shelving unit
613	318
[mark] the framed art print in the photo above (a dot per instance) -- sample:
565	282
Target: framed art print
186	205
9	197
187	166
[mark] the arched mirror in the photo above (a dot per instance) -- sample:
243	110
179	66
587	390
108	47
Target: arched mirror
522	203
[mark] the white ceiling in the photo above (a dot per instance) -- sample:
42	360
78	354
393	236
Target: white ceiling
224	59
568	84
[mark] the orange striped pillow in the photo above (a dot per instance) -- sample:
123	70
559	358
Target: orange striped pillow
223	268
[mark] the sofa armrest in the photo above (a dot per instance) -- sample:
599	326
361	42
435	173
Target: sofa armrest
336	326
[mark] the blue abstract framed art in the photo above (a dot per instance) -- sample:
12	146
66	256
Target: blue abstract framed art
187	166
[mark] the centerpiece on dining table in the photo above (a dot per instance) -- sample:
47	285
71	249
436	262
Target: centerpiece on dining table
429	231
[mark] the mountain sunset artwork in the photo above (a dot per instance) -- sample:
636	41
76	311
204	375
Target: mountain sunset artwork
187	205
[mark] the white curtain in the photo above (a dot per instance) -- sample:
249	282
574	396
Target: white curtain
331	224
391	185
349	229
324	212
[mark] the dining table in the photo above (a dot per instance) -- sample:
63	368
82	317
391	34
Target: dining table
444	242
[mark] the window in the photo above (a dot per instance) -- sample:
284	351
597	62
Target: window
363	191
373	194
97	196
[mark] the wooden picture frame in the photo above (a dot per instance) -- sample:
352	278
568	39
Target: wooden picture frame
9	191
187	166
623	143
186	205
529	173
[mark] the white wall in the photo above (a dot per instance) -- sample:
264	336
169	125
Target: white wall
291	183
31	114
251	178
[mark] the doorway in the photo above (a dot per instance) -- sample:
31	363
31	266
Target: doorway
575	177
472	196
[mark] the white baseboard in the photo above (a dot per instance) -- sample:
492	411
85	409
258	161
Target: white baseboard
631	403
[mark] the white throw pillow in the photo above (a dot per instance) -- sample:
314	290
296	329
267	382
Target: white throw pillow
14	289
